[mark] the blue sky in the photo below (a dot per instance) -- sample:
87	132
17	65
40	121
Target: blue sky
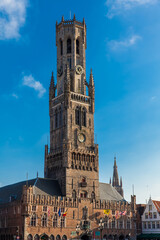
123	43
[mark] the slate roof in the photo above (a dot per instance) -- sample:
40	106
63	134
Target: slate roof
41	186
107	192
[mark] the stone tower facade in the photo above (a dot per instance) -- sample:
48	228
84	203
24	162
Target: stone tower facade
72	158
115	179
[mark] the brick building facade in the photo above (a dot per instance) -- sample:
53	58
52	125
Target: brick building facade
35	209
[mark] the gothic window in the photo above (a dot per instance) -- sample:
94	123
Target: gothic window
69	60
69	45
72	183
58	237
36	237
85	213
56	118
62	222
77	46
93	195
83	194
61	47
74	194
60	117
33	220
73	214
51	237
77	116
44	220
128	224
29	237
79	86
64	237
55	223
84	117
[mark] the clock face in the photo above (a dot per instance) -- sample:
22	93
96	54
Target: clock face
81	137
79	69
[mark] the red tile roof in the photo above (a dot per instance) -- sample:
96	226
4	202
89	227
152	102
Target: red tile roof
157	205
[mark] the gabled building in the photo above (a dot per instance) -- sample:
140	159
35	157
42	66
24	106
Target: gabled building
70	202
151	220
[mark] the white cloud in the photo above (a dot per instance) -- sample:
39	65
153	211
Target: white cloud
12	18
15	95
116	7
29	81
123	44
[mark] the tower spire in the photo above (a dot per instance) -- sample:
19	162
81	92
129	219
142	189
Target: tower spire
115	181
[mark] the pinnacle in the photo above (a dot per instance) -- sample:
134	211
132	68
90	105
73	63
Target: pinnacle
91	80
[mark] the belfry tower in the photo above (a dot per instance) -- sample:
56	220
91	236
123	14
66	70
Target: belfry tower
72	158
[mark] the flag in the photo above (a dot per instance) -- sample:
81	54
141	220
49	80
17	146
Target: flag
49	212
120	213
117	215
107	211
59	212
65	213
124	213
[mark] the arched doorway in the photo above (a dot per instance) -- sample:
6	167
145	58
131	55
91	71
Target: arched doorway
121	237
85	237
44	237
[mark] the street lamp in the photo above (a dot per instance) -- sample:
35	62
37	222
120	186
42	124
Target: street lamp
101	226
78	229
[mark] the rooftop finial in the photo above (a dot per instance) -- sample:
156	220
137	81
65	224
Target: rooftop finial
74	17
62	18
37	174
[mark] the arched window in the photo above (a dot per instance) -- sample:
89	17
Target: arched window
62	222
36	237
55	223
44	220
58	237
64	237
56	118
61	47
77	116
84	117
33	220
93	195
77	46
68	45
51	237
29	237
60	117
74	194
85	213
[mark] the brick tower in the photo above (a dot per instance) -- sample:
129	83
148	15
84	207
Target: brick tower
73	156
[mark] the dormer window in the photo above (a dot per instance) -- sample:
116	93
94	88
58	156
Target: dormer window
68	45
